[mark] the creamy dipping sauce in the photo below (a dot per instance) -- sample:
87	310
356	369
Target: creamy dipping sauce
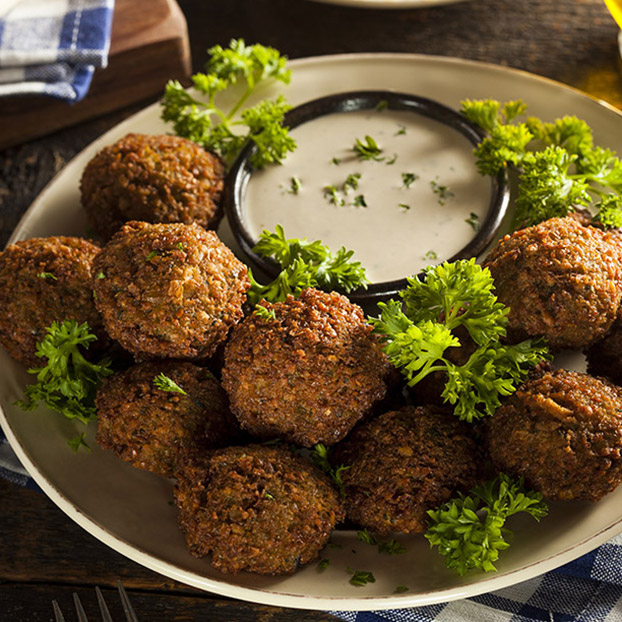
421	202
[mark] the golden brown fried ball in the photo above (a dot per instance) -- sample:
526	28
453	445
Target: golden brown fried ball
43	280
153	179
561	280
257	508
151	427
169	290
402	464
562	432
308	375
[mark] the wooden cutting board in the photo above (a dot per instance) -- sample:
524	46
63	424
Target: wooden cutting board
148	47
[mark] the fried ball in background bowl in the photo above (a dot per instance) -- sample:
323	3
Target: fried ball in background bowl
43	280
562	281
169	290
257	508
308	375
562	432
154	179
402	464
150	427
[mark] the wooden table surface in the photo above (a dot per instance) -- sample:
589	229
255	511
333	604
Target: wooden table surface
43	554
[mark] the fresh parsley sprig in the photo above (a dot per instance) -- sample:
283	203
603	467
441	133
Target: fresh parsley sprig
164	383
68	382
304	264
418	333
469	530
559	167
205	122
319	455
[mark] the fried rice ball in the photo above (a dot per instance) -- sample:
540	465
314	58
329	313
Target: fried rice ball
45	280
562	432
402	464
259	509
308	374
169	290
152	413
152	179
561	280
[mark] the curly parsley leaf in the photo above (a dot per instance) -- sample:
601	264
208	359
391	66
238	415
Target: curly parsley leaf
469	530
68	382
368	149
319	455
559	168
304	264
361	578
243	69
78	441
164	383
418	334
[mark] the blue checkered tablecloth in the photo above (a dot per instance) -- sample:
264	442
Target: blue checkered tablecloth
589	589
52	47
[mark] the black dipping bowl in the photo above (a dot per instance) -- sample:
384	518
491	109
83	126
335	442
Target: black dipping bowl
241	171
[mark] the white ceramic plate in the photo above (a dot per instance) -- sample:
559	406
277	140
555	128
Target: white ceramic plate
389	4
130	510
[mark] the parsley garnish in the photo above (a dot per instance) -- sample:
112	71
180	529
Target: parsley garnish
391	547
401	131
404	206
430	255
323	564
368	150
78	441
213	127
100	275
469	530
392	160
383	104
67	383
352	182
359	201
417	337
408	179
47	275
364	536
294	185
361	577
558	165
332	194
400	589
304	264
473	220
443	192
336	161
164	383
319	456
151	255
263	313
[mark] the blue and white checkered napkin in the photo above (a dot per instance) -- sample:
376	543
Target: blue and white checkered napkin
588	589
52	47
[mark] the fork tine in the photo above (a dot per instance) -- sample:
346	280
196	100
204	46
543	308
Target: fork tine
58	614
79	609
127	606
102	605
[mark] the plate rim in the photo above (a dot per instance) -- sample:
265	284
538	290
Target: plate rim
486	583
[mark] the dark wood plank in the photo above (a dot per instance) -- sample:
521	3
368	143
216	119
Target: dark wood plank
46	556
33	603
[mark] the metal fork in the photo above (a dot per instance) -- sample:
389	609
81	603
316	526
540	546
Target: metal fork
130	616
